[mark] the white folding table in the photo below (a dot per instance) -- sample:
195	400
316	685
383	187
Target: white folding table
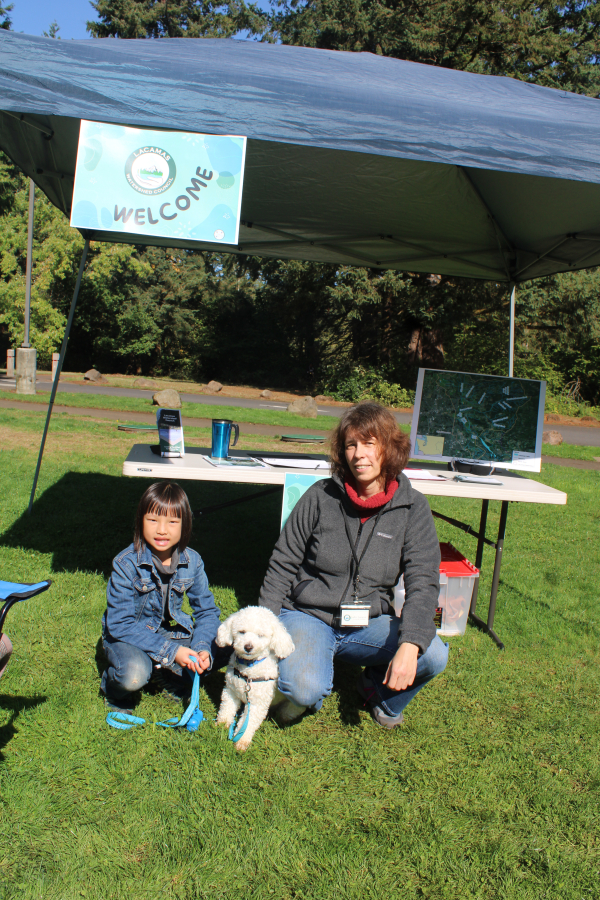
144	462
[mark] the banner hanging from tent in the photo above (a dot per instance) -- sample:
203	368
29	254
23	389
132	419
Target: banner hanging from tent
172	184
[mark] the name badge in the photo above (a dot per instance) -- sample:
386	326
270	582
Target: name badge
354	615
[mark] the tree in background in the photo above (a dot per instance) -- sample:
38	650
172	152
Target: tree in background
397	321
53	30
546	42
53	241
173	18
5	20
285	323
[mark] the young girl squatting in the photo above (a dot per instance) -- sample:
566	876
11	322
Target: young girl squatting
144	624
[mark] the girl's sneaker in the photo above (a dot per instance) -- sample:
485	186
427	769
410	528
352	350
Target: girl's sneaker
116	706
368	692
174	687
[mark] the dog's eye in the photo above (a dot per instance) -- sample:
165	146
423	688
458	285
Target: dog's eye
241	632
261	635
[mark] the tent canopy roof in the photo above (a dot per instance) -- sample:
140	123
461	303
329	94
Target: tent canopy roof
352	158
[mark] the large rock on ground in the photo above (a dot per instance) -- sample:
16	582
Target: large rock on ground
266	394
145	384
553	438
214	387
168	399
304	406
94	376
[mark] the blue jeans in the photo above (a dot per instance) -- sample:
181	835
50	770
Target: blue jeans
306	677
130	668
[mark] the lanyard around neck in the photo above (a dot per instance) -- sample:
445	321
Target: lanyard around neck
353	544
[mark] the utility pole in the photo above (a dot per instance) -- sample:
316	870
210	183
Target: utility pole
511	340
25	368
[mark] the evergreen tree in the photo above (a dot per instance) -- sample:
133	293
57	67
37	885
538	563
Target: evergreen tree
314	325
173	18
548	42
5	20
53	30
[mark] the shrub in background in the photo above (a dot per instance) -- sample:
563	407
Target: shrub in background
364	383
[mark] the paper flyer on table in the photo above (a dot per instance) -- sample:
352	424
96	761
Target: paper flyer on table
296	463
236	462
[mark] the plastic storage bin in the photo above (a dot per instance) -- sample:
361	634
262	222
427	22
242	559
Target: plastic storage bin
457	579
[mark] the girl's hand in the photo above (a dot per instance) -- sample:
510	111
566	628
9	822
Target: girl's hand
194	660
402	668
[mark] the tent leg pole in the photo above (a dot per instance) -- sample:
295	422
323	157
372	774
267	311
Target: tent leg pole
511	349
63	351
29	263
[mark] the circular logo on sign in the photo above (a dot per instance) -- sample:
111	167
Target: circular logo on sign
225	180
150	170
219	234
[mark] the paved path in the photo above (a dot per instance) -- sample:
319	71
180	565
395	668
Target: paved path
204	399
143	418
571	434
579	435
269	430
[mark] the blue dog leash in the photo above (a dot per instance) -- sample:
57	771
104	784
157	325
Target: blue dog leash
190	719
236	737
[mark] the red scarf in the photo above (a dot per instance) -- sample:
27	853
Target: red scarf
374	503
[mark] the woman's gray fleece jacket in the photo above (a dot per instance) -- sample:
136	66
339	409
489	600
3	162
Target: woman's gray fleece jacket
312	568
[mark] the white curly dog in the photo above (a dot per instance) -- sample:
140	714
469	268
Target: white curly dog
259	640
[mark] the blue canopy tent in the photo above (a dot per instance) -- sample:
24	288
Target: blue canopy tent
351	158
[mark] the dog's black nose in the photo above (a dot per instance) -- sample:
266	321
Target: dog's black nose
248	647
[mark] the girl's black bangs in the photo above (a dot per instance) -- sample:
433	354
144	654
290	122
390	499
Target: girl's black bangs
159	508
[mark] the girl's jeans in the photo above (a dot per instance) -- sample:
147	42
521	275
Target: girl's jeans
130	668
306	677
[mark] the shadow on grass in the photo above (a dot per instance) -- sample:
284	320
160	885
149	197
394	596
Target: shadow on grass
349	701
15	705
85	519
582	626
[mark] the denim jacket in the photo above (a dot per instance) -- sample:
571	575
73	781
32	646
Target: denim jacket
134	612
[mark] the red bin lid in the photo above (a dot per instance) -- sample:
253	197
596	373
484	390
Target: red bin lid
454	563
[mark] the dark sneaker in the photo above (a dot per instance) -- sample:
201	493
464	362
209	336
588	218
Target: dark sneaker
175	687
288	712
368	692
116	706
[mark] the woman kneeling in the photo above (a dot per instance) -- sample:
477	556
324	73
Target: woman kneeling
332	574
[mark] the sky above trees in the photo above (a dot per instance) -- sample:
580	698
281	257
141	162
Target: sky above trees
36	16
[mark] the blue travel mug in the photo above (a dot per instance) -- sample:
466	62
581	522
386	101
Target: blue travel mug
221	434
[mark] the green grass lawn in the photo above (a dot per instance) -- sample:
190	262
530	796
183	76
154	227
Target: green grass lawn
571	451
190	410
490	790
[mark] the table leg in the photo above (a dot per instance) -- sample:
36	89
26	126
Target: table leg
497	564
479	555
487	626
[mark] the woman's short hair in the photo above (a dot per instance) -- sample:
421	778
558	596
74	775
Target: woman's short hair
164	498
370	420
